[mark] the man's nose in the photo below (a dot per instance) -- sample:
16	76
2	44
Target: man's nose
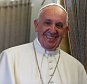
53	28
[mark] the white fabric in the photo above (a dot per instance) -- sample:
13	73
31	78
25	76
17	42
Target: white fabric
18	66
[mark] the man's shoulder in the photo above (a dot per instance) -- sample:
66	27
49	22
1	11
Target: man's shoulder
19	49
70	59
67	55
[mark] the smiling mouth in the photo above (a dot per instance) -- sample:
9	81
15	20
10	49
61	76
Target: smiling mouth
51	37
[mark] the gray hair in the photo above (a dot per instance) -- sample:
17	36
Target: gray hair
53	4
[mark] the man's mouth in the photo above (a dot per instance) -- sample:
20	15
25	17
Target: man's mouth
51	36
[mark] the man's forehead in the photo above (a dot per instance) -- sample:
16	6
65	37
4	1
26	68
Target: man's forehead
53	12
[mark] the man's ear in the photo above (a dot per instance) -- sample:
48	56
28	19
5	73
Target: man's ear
67	29
36	25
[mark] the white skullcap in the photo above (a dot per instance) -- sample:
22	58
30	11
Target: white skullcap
53	4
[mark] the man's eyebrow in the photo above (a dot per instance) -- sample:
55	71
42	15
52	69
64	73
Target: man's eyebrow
48	20
58	22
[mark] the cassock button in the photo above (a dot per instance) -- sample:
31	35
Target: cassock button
50	71
51	82
50	61
51	68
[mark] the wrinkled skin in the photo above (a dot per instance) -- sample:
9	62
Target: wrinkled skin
51	27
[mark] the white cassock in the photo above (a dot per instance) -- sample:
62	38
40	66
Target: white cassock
20	65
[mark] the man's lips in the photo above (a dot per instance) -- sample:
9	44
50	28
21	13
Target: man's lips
51	35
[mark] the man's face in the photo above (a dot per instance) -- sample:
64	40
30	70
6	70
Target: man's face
51	27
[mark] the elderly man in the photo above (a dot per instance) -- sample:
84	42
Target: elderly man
42	61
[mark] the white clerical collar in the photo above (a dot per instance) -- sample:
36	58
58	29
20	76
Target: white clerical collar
40	49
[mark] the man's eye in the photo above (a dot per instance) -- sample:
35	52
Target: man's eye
47	23
59	25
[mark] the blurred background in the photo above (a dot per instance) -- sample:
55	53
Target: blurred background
16	25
